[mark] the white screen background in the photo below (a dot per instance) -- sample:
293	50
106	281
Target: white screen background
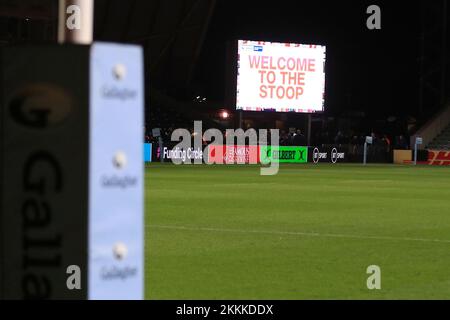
249	80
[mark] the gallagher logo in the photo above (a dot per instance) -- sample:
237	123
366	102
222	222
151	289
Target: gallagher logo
40	106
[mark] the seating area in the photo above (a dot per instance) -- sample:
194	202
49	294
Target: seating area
442	141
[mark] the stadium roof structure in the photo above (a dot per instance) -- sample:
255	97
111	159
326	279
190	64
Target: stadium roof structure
171	32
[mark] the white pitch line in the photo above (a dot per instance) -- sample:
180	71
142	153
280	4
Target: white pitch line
293	233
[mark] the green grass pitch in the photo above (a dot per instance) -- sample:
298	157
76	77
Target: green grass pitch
310	232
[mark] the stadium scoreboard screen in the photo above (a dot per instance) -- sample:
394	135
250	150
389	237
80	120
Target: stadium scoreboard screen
281	77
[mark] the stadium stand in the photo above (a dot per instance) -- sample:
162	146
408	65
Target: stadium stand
435	131
442	141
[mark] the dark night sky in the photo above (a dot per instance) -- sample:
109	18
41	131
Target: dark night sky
375	71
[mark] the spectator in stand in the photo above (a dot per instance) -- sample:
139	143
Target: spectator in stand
339	137
401	143
299	139
354	142
387	142
374	138
284	138
325	138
